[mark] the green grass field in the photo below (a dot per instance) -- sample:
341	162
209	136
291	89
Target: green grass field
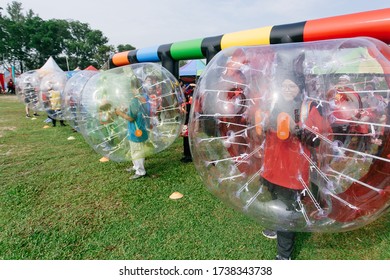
58	202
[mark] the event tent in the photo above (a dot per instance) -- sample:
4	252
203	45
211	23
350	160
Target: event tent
91	68
50	65
192	68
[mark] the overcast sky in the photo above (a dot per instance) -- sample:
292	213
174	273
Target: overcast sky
148	23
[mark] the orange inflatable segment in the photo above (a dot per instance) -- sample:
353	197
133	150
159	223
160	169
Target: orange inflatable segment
120	59
283	126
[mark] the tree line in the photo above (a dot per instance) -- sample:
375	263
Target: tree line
27	41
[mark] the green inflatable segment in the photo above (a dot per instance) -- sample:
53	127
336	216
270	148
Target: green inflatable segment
191	49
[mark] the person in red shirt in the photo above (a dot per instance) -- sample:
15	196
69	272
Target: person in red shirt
284	165
347	106
11	86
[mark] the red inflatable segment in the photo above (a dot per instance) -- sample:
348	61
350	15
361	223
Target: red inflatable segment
374	24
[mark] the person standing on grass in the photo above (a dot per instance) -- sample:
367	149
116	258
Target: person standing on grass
137	132
283	161
30	98
188	92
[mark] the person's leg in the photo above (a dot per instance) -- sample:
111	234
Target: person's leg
139	166
27	111
285	244
138	161
269	233
289	199
186	148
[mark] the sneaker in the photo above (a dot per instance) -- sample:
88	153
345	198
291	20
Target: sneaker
131	169
28	116
271	234
136	176
36	115
280	258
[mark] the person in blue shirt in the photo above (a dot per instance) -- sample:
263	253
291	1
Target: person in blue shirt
137	132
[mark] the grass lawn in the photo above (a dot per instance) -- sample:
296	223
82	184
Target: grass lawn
58	202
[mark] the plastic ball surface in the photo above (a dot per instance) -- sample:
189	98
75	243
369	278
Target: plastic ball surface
27	89
131	112
288	133
70	96
51	86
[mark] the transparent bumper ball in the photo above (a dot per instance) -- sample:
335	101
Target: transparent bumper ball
51	86
70	96
27	89
131	112
296	136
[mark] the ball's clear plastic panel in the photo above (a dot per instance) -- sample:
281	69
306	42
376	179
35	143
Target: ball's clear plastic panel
70	96
160	98
27	89
317	162
51	86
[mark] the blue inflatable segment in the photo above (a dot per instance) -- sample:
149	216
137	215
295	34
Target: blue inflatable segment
148	54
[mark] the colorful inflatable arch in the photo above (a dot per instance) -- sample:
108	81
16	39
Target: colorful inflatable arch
375	24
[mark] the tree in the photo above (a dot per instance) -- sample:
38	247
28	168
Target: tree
86	46
28	40
123	48
14	11
13	49
3	34
48	39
